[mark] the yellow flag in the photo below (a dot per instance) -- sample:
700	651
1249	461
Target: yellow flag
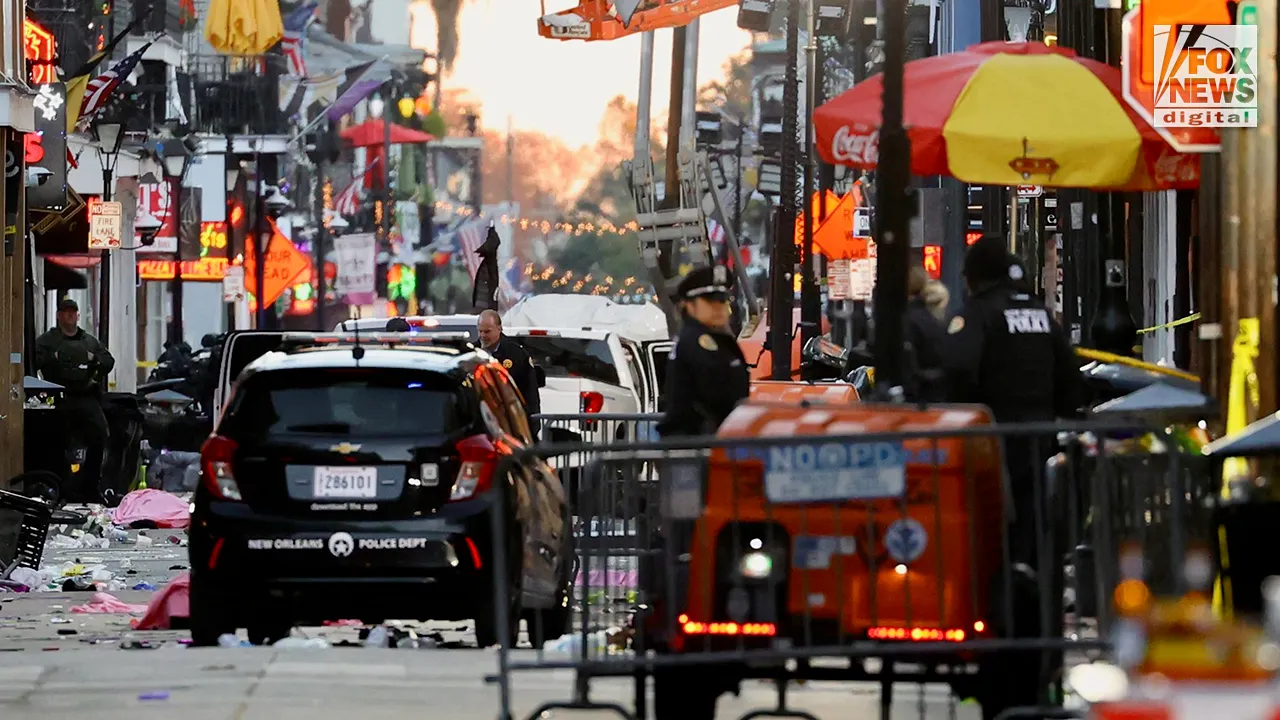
75	100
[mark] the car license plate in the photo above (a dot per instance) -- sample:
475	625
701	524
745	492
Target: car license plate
346	482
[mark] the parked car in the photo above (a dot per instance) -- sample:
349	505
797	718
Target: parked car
351	478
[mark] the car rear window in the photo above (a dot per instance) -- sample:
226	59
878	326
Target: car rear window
570	357
356	402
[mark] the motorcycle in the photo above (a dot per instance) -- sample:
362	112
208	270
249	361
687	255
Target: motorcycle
177	399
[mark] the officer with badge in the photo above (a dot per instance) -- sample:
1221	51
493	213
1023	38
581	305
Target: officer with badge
707	375
514	358
1005	351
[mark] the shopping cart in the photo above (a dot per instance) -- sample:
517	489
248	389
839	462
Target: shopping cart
872	534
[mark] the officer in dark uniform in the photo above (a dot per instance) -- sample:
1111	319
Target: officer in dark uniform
514	358
1005	351
398	325
74	359
707	375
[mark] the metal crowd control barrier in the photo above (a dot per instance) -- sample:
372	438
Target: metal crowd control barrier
609	506
884	558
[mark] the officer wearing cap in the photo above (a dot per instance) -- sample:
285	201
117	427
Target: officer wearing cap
707	375
74	359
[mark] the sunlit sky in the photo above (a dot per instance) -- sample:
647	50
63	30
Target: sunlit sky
557	87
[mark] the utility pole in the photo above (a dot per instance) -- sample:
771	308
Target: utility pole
782	264
894	207
810	293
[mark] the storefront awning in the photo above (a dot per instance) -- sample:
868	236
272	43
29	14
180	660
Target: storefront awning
63	272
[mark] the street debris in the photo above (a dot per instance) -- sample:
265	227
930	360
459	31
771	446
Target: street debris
172	601
158	695
157	508
106	603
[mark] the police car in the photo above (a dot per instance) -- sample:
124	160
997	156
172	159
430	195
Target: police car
355	477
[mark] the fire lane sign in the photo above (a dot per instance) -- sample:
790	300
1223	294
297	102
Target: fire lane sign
105	225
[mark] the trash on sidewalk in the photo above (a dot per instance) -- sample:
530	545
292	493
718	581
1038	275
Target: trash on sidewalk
106	603
165	510
613	640
343	623
301	643
158	695
230	640
174	600
174	471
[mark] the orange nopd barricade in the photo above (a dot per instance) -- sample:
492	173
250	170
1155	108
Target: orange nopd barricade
800	393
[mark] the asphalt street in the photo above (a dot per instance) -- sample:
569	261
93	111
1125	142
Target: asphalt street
56	663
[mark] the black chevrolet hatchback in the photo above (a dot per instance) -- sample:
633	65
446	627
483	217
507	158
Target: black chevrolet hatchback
354	478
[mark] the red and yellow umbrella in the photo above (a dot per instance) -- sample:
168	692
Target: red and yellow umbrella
1010	114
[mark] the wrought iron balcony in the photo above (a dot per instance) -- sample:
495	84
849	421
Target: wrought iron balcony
237	95
168	17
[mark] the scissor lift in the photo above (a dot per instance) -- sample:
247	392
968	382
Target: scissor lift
670	225
599	19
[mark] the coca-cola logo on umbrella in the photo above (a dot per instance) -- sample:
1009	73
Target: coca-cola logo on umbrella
853	148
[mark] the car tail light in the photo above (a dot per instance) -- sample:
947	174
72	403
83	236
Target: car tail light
475	475
693	627
215	464
590	403
917	634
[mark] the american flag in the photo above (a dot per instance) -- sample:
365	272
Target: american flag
348	201
470	237
295	33
100	88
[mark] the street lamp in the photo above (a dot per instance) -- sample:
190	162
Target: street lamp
175	156
109	136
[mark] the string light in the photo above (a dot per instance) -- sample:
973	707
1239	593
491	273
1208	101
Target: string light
327	194
598	227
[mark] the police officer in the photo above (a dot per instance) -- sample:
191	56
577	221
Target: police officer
707	375
74	359
514	358
1004	350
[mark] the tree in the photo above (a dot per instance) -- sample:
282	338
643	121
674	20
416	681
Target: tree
731	93
607	194
447	12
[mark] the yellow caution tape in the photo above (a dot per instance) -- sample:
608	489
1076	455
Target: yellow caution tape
1242	393
148	364
1170	325
1105	357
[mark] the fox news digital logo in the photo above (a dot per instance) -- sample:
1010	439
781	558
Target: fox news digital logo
1206	75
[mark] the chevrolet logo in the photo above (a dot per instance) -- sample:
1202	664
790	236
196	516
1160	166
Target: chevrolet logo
345	448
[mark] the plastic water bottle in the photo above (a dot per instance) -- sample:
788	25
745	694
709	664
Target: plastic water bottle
230	640
377	638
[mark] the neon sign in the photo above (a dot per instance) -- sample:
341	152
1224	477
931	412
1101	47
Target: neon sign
40	50
210	269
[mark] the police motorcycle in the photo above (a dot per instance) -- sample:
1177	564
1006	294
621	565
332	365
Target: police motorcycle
177	399
836	363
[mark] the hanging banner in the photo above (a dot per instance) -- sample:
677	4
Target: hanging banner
357	257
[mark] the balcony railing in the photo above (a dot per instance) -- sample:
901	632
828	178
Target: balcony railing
167	17
237	95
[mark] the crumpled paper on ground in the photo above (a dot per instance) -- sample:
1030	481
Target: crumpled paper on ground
164	509
106	603
174	600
